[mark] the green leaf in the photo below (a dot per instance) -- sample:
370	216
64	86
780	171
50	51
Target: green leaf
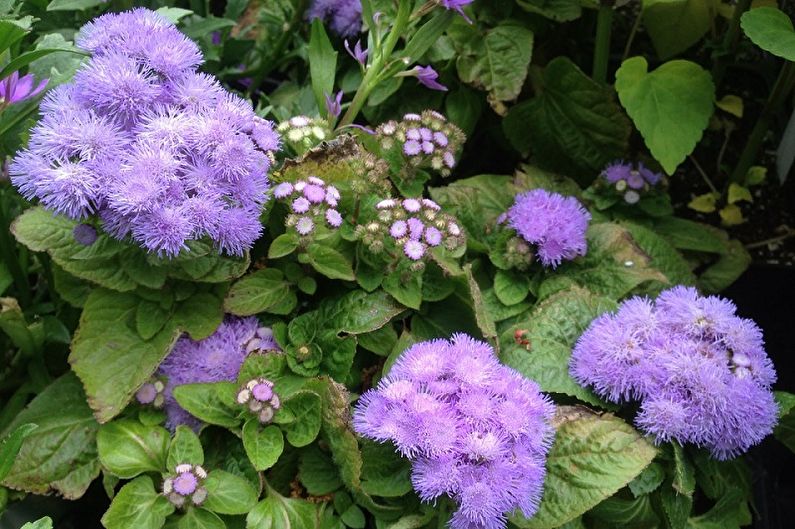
405	286
731	215
573	125
212	403
128	448
42	523
705	203
498	61
317	472
593	457
26	58
676	506
330	262
785	430
228	493
173	14
185	448
384	472
265	290
196	518
670	106
284	244
322	64
61	454
205	26
731	265
263	444
770	29
647	481
13	30
613	266
110	357
511	287
620	512
475	297
13	324
738	193
675	25
552	329
137	506
305	407
11	445
73	5
684	477
729	512
427	35
278	512
688	235
558	10
360	312
664	256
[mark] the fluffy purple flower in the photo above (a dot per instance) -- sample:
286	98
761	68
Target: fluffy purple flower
414	250
157	150
700	372
312	204
333	218
14	89
554	223
344	16
473	429
214	359
427	76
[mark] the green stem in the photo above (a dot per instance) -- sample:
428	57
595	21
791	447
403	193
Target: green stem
8	251
730	39
631	37
443	508
782	88
371	77
601	54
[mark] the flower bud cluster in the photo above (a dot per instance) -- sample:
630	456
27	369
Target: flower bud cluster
303	133
260	399
152	393
518	253
629	182
186	486
425	140
372	175
312	202
414	224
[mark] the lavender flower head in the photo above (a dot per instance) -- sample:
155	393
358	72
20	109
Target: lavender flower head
424	140
214	359
699	371
629	181
185	487
312	203
554	224
473	429
158	151
344	16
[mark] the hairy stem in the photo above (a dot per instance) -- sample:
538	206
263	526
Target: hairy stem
601	54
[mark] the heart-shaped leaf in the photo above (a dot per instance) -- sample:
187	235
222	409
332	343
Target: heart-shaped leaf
770	29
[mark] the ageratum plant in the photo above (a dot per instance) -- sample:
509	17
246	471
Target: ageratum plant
438	280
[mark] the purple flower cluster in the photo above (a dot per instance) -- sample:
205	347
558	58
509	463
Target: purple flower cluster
260	399
630	182
312	202
554	224
186	486
344	16
474	429
426	139
161	152
413	224
213	359
700	372
14	89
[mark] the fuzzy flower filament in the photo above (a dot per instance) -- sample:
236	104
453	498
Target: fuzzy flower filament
159	152
699	371
553	224
473	429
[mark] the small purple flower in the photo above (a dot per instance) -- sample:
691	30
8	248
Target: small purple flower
456	5
301	205
334	104
412	205
414	250
186	486
283	190
333	218
412	148
701	373
304	226
472	428
433	236
344	16
85	234
398	229
261	400
314	193
427	76
359	54
14	89
416	227
554	223
441	139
